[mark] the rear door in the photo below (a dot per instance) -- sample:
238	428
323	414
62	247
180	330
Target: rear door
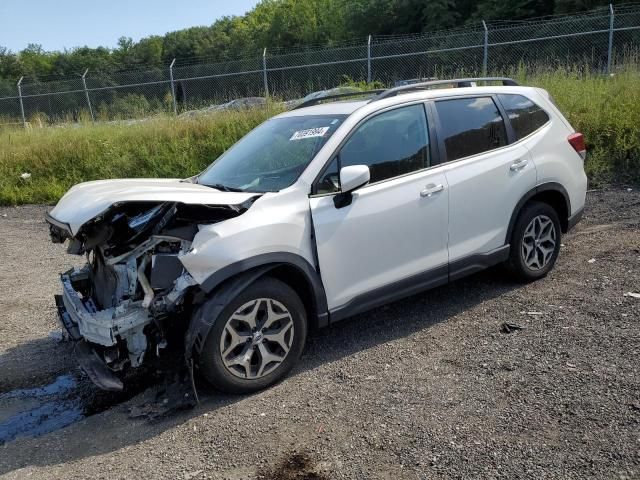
487	174
395	228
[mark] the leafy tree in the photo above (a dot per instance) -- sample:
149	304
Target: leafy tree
439	15
568	6
34	61
516	10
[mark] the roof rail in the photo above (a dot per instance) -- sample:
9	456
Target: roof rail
456	83
316	101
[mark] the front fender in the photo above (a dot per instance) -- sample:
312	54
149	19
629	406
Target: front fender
228	282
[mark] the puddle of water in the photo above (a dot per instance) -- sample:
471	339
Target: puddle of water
36	411
31	412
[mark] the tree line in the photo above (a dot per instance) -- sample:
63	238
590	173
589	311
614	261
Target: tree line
278	23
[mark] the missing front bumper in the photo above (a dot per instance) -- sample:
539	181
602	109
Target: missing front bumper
106	339
102	327
90	362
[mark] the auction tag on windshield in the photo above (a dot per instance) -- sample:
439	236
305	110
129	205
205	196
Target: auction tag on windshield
310	133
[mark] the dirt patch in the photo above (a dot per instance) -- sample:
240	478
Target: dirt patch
296	466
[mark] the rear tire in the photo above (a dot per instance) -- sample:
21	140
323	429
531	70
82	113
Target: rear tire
535	242
256	340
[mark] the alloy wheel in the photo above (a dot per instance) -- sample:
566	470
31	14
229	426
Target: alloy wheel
256	338
539	242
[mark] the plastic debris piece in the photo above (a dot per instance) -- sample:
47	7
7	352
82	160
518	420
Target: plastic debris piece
511	327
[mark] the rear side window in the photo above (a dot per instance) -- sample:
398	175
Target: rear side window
526	117
470	126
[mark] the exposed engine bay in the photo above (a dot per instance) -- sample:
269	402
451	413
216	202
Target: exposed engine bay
133	291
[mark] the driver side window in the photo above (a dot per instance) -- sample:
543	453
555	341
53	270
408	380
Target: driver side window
391	144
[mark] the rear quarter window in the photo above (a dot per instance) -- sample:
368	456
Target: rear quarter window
526	117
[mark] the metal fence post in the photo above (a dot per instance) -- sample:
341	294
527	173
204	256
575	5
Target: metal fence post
86	94
485	58
369	60
610	50
24	120
264	72
173	88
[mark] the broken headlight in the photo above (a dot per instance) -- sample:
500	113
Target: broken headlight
144	218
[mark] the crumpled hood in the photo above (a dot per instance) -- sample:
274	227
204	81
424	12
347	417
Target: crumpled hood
89	199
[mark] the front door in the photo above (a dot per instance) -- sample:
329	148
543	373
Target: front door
393	234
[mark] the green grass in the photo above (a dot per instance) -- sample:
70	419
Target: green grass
605	109
59	157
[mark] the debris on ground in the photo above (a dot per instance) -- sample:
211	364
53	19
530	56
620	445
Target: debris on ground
56	336
591	260
511	327
632	294
162	400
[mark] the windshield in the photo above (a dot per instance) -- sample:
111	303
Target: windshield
272	156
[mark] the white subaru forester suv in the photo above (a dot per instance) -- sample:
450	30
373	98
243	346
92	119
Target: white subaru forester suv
320	213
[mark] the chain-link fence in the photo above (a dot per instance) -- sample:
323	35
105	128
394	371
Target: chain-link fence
598	40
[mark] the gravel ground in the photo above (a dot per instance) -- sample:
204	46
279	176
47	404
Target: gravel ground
429	387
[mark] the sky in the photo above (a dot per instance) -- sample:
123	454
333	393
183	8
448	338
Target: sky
60	24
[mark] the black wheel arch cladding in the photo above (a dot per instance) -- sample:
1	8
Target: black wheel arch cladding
227	283
538	193
209	310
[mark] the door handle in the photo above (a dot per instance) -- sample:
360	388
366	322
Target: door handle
431	189
519	164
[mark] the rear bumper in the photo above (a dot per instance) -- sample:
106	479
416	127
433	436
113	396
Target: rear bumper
574	219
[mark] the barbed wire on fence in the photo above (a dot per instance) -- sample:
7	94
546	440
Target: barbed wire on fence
596	39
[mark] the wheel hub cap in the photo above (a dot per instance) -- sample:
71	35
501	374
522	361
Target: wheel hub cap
256	338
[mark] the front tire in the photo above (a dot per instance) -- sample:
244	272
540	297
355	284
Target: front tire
256	340
535	242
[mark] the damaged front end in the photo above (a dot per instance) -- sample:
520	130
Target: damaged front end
133	295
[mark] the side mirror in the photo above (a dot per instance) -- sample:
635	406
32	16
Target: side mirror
351	178
354	177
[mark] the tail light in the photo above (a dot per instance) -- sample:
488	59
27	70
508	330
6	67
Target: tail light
576	140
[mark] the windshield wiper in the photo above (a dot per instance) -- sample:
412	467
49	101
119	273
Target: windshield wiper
224	188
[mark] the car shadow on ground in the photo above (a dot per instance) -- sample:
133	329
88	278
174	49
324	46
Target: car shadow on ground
112	430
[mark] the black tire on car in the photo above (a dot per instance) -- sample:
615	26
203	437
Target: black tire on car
266	322
535	242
